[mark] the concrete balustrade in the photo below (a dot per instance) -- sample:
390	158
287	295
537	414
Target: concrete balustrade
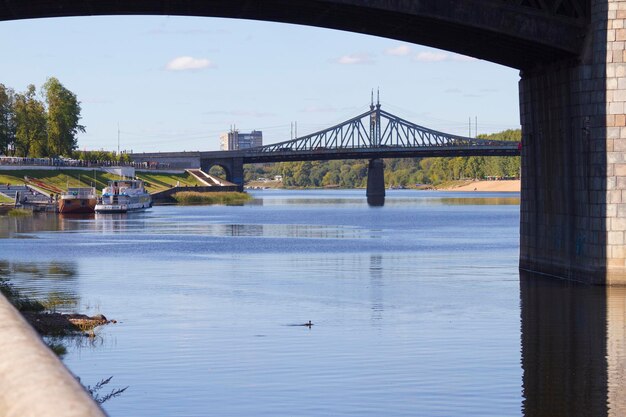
33	381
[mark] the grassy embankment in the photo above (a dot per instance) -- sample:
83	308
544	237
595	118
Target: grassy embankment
158	181
229	198
153	181
65	178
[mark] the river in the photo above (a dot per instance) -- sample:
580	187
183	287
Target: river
418	309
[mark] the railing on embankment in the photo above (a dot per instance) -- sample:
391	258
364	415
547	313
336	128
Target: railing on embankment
33	381
165	196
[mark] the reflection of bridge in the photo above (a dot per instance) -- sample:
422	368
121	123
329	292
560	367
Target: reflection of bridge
372	135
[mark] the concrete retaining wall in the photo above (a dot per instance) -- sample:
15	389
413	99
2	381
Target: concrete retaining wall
33	381
121	171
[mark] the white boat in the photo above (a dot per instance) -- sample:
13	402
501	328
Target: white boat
123	196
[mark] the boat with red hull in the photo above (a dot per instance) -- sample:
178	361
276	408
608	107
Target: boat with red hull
78	200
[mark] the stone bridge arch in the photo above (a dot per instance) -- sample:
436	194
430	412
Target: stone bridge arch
233	167
516	33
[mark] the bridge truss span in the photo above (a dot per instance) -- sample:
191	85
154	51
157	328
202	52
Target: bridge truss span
385	132
400	133
351	134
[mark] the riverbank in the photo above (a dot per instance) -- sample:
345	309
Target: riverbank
63	178
159	181
486	186
461	185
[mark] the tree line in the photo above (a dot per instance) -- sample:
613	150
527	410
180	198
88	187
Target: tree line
39	124
403	172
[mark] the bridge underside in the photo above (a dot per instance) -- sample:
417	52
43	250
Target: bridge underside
516	33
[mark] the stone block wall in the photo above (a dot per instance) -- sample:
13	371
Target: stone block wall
233	167
616	140
573	214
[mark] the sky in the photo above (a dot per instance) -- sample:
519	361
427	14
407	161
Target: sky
176	83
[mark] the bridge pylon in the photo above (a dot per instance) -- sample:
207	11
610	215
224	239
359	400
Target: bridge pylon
375	121
376	183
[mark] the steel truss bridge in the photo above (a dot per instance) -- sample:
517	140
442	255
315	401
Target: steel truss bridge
373	135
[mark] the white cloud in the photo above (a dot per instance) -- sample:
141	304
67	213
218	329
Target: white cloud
354	59
183	63
400	50
431	56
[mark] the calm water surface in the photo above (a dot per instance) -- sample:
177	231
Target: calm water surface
418	309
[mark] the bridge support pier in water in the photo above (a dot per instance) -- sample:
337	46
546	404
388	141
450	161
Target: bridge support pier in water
573	210
376	183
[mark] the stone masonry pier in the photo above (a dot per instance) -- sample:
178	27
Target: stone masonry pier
573	213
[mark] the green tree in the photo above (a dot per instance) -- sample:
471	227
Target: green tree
302	174
475	167
7	119
63	117
30	119
330	178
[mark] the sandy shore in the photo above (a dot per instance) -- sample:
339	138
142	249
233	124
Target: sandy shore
495	186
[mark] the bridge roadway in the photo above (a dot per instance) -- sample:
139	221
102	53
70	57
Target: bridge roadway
252	157
207	159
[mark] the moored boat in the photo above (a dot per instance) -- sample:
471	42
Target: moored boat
78	200
123	196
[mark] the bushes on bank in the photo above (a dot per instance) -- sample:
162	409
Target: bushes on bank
226	198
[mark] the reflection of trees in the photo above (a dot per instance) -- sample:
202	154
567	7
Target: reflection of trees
11	226
76	341
481	201
5	268
51	283
51	270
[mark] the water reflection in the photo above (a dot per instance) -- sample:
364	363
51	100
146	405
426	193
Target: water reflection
376	286
16	227
425	200
217	228
616	350
564	348
52	283
480	201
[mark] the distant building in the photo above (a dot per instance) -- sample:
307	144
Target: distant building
235	140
